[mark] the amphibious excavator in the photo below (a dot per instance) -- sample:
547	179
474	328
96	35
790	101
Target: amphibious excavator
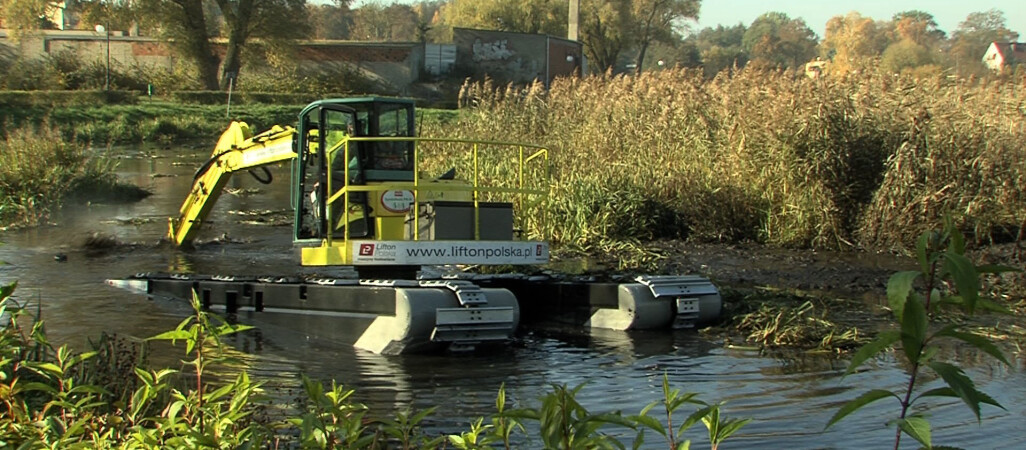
361	198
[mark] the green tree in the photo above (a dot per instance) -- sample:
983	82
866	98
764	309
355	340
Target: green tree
428	19
525	16
776	40
183	25
904	55
660	21
188	25
972	37
915	44
119	15
719	48
605	28
330	21
378	22
919	27
274	21
22	16
851	40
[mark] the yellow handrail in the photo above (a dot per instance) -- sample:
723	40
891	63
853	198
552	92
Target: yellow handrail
540	155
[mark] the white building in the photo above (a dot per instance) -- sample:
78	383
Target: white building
1004	54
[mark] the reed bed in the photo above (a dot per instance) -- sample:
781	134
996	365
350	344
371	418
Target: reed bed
869	160
39	170
36	168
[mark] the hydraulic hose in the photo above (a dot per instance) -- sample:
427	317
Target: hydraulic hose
267	172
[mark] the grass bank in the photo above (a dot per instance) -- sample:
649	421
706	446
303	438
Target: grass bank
154	121
868	161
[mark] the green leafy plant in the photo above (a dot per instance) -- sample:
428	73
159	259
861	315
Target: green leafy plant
405	428
566	424
947	278
208	416
43	395
330	419
563	424
478	437
719	428
505	422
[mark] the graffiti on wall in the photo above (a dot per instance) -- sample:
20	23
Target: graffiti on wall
491	51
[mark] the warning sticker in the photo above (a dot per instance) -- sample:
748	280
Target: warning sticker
397	201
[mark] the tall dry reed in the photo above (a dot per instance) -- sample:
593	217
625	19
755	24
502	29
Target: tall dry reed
866	160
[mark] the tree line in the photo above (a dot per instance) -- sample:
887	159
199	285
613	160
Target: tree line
616	34
909	42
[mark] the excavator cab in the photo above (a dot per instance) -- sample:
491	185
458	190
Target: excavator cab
334	158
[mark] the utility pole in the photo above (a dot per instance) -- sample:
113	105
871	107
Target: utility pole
106	76
106	81
573	26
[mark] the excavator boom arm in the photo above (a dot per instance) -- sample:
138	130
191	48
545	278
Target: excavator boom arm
237	150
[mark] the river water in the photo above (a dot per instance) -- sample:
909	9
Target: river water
789	399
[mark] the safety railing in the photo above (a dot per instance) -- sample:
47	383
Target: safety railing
531	177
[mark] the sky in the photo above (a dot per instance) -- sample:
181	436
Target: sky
816	13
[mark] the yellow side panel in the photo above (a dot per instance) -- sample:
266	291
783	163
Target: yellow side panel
325	256
391	228
426	194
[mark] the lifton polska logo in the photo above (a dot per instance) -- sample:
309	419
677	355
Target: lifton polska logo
366	249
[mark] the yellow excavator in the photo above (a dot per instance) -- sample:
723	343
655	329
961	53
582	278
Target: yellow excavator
360	199
356	179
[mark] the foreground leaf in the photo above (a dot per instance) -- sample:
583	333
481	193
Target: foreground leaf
975	340
7	289
913	329
991	306
917	427
898	288
862	400
649	422
966	279
172	335
995	269
939	392
883	341
961	385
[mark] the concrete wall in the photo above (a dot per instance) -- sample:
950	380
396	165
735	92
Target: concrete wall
515	57
503	56
398	64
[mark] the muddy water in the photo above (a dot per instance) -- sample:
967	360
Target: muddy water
789	400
